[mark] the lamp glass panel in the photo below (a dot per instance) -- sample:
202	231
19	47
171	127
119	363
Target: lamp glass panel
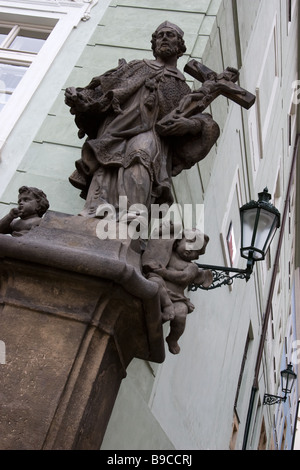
248	221
264	227
287	380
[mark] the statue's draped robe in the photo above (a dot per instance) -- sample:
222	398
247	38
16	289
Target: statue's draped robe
123	154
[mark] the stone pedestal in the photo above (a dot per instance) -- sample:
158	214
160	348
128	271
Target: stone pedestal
74	311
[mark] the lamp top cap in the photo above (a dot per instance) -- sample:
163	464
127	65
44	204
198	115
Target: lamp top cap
264	195
264	203
168	24
289	370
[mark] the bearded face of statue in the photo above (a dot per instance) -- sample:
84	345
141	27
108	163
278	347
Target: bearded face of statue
166	43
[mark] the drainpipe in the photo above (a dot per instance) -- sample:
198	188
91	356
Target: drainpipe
269	302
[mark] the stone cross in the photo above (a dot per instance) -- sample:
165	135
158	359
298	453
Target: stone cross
213	85
224	83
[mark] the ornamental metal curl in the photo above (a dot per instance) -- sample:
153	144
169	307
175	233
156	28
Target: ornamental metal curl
273	399
222	276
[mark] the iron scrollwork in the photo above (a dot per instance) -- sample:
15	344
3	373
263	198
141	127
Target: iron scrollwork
273	399
222	276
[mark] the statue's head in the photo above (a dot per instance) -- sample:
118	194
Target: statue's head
166	25
192	244
35	197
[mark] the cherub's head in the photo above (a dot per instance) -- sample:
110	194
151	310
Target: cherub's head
192	244
32	202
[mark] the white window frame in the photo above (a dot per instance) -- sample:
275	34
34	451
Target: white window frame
14	31
61	17
15	57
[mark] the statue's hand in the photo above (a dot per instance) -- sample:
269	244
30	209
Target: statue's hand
152	265
179	126
160	271
14	213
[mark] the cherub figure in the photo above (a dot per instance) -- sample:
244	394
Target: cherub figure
32	204
169	264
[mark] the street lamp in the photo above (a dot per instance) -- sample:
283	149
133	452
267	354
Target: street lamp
288	378
259	222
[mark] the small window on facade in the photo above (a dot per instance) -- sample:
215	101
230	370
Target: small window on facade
4	31
19	44
28	41
10	76
22	38
290	10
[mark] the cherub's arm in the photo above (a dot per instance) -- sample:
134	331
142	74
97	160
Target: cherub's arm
181	276
5	223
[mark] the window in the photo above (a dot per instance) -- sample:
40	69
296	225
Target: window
291	124
32	32
22	38
19	44
10	77
231	244
289	10
32	49
248	339
246	362
268	83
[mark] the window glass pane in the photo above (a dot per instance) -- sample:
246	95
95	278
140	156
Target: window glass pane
10	76
3	33
29	41
3	99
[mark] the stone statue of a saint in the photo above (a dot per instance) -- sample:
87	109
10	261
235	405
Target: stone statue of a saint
125	152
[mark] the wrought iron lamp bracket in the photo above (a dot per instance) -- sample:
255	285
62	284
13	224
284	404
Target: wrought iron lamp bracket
223	275
273	399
